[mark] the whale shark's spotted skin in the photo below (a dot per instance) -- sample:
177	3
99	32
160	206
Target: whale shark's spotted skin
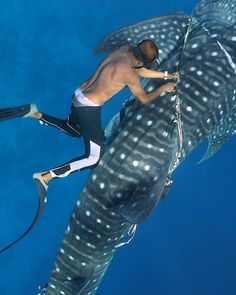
128	182
167	31
96	230
221	134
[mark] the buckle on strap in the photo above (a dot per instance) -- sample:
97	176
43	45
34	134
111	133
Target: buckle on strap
131	233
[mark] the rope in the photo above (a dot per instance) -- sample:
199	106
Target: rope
131	233
178	121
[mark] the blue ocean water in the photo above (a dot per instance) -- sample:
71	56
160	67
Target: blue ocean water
187	246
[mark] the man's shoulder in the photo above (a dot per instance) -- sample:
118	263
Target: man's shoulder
122	64
125	47
125	68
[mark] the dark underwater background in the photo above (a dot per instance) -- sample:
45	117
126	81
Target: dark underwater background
187	246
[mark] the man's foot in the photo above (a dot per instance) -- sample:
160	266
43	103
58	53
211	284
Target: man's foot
33	110
46	177
42	185
37	115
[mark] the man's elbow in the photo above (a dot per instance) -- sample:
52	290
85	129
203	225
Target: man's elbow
139	72
143	99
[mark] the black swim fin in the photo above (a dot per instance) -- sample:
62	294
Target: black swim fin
23	111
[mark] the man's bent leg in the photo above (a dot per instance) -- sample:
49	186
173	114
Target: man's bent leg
92	156
62	124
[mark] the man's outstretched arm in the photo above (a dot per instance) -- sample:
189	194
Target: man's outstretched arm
145	73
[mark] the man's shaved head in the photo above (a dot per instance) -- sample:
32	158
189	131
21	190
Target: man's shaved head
146	51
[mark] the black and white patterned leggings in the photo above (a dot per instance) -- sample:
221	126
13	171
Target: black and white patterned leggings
83	121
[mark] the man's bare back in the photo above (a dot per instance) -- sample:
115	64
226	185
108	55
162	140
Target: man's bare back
109	77
118	70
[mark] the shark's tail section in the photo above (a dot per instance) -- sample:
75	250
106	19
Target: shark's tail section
88	246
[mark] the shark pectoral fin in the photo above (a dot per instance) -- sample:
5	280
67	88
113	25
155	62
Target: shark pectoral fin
220	134
114	124
132	34
77	284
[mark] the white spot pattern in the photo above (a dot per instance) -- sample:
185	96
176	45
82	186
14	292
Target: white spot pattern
52	286
88	213
135	163
139	117
146	167
102	185
94	177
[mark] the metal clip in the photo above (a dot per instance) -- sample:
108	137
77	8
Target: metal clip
131	233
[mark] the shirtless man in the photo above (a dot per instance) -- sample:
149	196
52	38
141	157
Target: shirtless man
121	68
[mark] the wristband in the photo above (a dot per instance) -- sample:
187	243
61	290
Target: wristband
165	75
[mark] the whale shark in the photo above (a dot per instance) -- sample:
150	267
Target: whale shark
144	140
147	143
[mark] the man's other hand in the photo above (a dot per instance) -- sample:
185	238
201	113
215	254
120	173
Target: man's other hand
169	87
173	76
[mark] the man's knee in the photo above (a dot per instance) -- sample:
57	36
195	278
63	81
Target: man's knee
94	159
